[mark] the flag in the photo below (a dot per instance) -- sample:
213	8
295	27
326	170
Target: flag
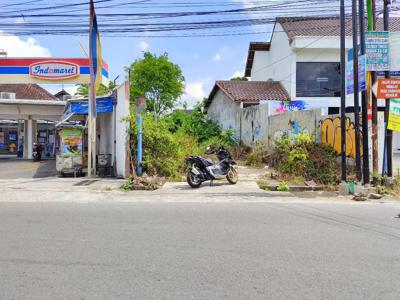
95	55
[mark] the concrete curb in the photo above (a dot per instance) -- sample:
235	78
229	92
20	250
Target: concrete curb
293	188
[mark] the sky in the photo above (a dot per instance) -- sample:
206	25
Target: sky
203	60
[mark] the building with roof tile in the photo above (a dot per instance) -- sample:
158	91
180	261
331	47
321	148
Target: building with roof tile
300	62
304	55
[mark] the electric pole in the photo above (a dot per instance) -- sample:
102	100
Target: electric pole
364	100
356	90
343	87
388	167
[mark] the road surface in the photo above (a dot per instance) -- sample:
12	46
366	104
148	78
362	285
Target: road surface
218	242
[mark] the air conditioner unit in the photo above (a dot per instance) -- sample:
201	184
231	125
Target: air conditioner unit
4	95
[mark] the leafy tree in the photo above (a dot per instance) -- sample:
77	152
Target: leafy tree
83	89
239	79
157	78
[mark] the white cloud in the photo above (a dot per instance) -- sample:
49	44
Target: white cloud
17	47
239	73
144	46
224	53
195	91
217	57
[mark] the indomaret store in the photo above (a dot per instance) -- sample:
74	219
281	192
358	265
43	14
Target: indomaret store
29	114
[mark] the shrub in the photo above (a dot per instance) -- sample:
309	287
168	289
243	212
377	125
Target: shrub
163	151
197	125
282	187
257	155
303	157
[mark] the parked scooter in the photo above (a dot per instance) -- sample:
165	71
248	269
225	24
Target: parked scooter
204	169
37	152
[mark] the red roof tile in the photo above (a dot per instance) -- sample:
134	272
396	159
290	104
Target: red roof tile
324	26
27	91
250	91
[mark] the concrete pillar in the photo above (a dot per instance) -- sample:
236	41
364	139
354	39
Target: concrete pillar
29	137
25	139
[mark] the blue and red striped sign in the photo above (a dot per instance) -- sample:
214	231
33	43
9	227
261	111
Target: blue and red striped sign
47	70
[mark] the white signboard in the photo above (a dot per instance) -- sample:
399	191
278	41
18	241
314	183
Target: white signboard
54	70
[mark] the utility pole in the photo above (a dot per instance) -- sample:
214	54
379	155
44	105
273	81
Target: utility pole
371	8
388	168
356	90
364	100
343	88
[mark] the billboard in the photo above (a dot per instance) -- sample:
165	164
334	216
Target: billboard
48	70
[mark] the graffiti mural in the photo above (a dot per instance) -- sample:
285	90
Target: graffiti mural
287	106
331	134
292	132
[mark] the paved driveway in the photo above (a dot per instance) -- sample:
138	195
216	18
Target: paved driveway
18	168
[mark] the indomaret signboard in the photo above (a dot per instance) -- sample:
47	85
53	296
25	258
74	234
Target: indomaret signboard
47	70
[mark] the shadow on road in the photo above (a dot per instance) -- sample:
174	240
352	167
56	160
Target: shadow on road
46	168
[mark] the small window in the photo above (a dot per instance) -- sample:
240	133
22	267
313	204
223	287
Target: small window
318	79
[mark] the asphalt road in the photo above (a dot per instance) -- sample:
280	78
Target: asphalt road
155	250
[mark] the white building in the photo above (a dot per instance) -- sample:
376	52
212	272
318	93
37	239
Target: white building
304	55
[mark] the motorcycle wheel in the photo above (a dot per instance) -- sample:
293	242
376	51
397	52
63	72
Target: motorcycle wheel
232	176
193	180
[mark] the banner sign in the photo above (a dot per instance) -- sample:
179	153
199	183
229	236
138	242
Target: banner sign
394	115
361	75
388	88
395	51
71	142
47	70
350	52
103	105
377	50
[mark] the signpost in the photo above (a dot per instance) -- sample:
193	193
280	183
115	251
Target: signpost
377	50
388	88
394	115
140	103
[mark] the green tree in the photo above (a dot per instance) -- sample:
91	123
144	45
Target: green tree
83	89
157	78
239	79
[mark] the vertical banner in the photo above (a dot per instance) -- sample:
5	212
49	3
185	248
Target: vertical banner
394	115
377	50
361	75
95	56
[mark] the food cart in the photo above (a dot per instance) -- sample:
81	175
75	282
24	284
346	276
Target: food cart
69	156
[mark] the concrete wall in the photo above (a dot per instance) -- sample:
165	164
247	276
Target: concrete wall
279	60
225	112
306	121
254	124
105	130
121	129
260	71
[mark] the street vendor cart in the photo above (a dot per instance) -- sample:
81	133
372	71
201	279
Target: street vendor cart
69	156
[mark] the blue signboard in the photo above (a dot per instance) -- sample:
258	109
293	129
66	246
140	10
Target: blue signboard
377	50
350	53
361	75
103	105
